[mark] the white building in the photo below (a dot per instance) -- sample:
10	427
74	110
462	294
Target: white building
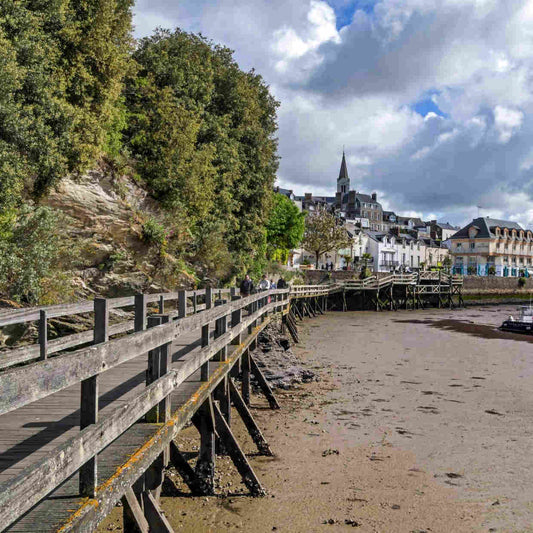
395	252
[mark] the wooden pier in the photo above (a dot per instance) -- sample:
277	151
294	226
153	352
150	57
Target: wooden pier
403	291
89	419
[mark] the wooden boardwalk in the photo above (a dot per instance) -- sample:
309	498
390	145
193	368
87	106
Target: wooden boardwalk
135	393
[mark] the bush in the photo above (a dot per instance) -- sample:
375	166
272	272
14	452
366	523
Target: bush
492	271
521	282
34	256
154	233
471	270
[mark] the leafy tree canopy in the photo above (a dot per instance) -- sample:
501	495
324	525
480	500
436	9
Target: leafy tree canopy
324	233
285	227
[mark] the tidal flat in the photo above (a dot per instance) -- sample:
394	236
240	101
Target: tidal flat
421	421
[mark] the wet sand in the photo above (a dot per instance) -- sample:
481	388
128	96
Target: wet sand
422	421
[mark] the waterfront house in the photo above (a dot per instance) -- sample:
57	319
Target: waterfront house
488	246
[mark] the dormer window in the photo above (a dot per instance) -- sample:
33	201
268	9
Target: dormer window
472	232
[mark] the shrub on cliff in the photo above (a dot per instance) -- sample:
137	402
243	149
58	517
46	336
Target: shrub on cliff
61	68
35	254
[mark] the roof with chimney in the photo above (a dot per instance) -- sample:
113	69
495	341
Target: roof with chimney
486	227
361	197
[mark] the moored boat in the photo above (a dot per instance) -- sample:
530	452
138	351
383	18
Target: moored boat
522	324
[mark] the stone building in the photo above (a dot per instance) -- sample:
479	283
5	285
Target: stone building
353	205
488	246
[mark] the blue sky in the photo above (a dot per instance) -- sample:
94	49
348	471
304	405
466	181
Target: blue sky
344	10
431	98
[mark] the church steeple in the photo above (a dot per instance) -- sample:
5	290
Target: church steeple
343	181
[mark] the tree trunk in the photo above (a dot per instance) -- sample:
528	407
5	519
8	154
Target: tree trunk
316	262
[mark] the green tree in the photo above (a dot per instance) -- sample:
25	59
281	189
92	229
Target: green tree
202	134
62	64
285	227
323	233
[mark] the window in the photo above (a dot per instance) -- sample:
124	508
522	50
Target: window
472	245
459	245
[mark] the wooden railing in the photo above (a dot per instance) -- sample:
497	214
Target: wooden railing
30	383
185	302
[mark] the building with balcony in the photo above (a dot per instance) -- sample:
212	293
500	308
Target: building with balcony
488	246
395	252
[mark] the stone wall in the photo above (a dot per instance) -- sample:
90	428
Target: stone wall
474	284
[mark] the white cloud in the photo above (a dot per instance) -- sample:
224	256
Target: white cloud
355	87
507	122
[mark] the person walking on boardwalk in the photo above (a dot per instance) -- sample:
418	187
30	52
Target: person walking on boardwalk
264	284
282	284
247	286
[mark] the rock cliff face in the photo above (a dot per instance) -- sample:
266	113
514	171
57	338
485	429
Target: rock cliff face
105	216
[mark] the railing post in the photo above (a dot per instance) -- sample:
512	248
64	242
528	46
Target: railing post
194	302
208	298
236	317
182	304
222	390
140	312
154	365
43	335
161	304
204	372
88	475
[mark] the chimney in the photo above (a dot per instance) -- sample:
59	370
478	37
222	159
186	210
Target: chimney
308	196
374	197
433	222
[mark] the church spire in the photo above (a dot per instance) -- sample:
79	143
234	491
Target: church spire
343	174
343	181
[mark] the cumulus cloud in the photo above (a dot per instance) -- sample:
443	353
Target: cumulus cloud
356	84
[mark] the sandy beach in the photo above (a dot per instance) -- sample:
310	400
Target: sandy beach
421	422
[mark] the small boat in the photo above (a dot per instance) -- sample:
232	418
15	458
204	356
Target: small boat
522	324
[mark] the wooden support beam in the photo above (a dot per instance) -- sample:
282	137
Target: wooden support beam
204	421
186	471
134	519
249	422
263	384
154	516
237	456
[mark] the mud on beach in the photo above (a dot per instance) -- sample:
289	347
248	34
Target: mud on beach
420	422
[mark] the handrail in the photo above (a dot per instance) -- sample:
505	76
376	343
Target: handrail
47	377
29	314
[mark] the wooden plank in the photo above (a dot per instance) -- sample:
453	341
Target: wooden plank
25	354
39	479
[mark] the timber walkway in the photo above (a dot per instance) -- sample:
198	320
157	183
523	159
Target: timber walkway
89	419
404	291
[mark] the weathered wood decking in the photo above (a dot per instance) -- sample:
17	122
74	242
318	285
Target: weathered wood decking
135	394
